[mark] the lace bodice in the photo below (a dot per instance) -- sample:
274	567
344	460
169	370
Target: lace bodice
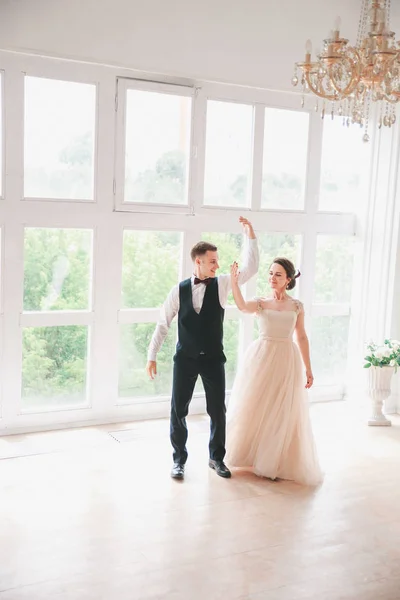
274	324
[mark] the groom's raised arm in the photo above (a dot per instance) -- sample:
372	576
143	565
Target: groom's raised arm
251	261
251	256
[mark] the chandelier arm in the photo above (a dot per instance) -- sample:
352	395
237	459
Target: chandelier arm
351	86
316	91
355	78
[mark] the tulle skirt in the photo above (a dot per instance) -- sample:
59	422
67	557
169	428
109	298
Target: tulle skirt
268	422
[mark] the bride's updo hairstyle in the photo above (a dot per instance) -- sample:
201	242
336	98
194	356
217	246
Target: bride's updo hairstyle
291	272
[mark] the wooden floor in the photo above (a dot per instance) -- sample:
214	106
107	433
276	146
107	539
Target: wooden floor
93	514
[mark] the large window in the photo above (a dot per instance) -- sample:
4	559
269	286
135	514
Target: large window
59	129
331	308
157	147
285	159
141	171
344	167
228	154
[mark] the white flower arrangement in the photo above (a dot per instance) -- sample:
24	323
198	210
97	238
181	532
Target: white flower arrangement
386	355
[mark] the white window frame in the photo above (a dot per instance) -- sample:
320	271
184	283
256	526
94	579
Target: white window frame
62	318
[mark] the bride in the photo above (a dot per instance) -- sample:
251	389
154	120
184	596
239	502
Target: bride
269	430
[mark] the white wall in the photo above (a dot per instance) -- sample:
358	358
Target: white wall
250	42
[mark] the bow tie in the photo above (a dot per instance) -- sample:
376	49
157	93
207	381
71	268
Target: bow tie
205	281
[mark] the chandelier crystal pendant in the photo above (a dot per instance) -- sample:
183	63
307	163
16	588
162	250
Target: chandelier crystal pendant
348	79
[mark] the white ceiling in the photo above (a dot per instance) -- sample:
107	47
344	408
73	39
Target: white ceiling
251	42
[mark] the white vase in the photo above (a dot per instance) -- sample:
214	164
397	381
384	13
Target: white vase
380	379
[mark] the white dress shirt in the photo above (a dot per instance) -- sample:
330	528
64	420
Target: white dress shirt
170	307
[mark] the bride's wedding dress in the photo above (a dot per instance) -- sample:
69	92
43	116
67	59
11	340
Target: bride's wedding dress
269	430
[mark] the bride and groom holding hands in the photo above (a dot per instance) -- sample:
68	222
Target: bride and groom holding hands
268	430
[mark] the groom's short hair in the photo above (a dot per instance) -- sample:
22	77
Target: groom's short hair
201	248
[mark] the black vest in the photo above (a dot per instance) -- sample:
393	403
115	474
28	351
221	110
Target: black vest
200	333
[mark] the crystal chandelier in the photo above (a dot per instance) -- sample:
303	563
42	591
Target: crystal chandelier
348	78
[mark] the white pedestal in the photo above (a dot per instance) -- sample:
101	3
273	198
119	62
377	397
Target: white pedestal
380	379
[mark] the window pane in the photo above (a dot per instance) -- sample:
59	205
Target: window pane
345	167
329	342
57	269
285	159
230	247
157	147
133	379
272	245
54	367
59	139
334	269
150	267
228	154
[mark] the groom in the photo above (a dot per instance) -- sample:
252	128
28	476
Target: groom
200	304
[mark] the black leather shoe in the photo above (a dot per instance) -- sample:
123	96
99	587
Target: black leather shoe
220	467
178	471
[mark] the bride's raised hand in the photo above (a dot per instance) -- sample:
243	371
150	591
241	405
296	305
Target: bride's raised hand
235	273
